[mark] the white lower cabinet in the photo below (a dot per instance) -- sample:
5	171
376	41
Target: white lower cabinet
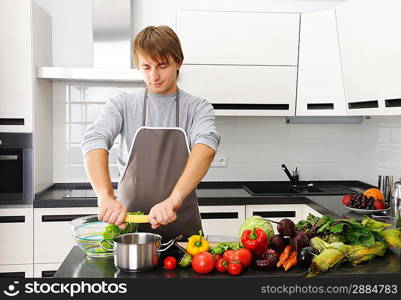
16	271
222	220
276	212
45	270
16	231
53	236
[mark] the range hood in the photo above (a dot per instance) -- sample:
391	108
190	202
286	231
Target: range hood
112	34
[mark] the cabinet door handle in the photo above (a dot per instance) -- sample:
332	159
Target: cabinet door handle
48	273
60	218
9	157
234	106
12	275
10	121
363	104
275	214
12	219
320	106
219	215
393	102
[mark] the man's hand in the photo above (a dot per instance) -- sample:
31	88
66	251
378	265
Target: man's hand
163	213
111	211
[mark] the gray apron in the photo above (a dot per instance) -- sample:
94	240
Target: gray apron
157	159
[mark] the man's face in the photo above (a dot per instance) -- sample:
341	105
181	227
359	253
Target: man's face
160	77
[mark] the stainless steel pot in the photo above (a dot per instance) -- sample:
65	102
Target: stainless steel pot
138	252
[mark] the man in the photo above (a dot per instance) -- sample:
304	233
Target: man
158	175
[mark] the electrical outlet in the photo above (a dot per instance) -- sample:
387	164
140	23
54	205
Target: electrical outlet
220	161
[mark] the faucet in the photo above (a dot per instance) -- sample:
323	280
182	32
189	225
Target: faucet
396	200
294	178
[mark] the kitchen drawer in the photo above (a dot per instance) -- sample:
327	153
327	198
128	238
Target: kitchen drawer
222	220
248	89
16	235
306	210
45	270
16	271
53	236
276	212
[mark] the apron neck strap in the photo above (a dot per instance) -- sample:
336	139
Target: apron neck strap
177	108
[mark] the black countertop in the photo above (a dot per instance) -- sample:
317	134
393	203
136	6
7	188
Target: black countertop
78	265
209	193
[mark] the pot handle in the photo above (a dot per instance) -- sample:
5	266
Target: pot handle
169	243
104	248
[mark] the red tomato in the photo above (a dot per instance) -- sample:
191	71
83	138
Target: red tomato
346	199
170	263
234	268
244	256
218	257
229	255
221	265
204	262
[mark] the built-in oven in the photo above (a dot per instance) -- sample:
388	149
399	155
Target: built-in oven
16	168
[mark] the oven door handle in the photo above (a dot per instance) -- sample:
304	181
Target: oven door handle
9	157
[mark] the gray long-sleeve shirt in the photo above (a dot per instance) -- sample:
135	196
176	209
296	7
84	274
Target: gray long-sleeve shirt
123	115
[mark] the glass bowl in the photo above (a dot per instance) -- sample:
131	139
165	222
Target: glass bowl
88	235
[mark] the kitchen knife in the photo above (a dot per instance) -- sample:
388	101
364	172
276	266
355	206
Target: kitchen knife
137	219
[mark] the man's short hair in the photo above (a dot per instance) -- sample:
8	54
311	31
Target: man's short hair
159	43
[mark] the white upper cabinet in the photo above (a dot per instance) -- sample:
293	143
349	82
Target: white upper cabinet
239	38
369	37
25	43
320	83
15	66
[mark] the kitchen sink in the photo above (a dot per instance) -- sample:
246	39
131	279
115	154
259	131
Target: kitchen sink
277	188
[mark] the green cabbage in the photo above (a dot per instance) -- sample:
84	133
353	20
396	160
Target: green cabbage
257	222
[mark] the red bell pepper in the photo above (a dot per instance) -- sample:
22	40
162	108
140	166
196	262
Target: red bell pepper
255	240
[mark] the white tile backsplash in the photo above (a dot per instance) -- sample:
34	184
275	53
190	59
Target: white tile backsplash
78	173
61	113
255	153
62	173
78	113
61	133
62	153
255	146
76	157
77	132
324	153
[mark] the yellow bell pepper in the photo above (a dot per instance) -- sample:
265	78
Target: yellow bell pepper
197	244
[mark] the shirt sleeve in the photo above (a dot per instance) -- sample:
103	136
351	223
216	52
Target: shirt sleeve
104	130
203	129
